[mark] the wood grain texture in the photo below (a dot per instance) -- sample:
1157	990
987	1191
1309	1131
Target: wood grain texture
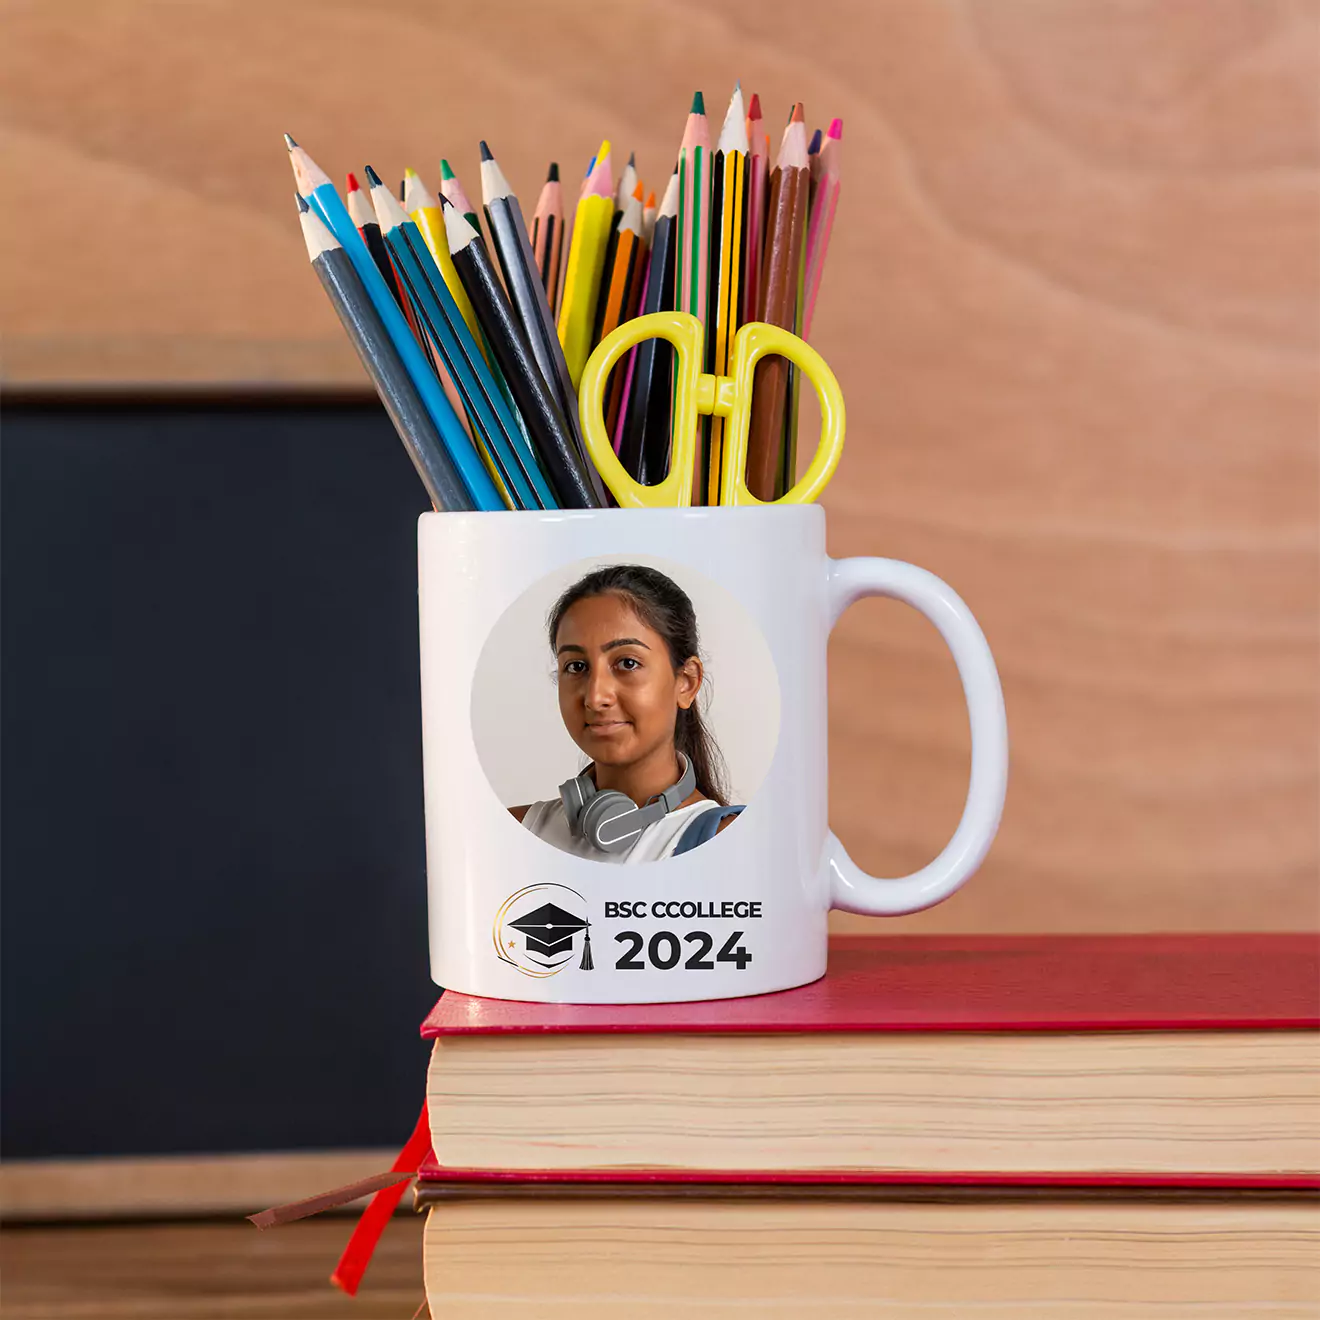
1071	298
168	1185
206	1272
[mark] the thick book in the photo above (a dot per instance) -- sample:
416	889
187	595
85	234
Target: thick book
502	1251
1162	1059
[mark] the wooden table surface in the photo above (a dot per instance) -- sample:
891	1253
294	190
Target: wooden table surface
1071	299
205	1271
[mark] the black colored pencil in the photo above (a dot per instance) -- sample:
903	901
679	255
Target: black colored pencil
374	346
533	395
513	250
644	446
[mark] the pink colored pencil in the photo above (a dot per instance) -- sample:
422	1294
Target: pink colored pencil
819	227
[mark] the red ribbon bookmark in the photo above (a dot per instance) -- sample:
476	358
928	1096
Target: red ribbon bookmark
357	1254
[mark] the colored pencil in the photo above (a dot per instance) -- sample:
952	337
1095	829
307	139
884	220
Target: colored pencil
452	191
586	262
644	445
793	396
626	186
648	218
570	219
502	443
532	392
380	357
692	275
621	289
821	223
548	233
779	278
728	212
314	184
424	211
364	217
513	250
617	277
757	188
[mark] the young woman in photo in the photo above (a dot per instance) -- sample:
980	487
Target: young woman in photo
630	674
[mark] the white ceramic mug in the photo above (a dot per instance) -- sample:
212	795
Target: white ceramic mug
744	913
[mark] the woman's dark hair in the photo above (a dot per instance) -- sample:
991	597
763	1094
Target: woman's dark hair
664	607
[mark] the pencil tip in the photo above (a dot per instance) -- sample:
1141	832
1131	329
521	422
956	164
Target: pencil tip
553	176
445	203
650	200
445	172
289	142
637	191
698	105
754	109
836	129
302	202
485	150
632	159
814	148
372	177
352	182
409	172
799	115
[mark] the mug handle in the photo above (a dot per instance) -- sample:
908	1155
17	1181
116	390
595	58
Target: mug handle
851	888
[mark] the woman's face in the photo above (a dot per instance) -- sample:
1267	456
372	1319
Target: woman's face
618	693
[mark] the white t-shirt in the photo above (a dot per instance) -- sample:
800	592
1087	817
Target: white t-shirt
547	821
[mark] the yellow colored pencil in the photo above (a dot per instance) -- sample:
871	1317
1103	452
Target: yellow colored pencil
728	219
586	262
424	211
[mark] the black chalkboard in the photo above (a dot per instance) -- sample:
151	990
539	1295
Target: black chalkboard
214	908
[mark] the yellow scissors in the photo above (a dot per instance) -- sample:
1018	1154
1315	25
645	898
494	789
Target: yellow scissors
695	392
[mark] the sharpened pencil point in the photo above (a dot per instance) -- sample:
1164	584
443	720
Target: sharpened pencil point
637	191
372	177
553	176
409	172
815	143
836	129
632	159
485	150
445	203
352	182
445	172
289	142
754	110
799	115
698	105
302	202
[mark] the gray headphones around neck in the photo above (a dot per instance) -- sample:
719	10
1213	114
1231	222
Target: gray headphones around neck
611	820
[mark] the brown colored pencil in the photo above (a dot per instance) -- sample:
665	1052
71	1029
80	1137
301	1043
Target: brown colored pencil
777	303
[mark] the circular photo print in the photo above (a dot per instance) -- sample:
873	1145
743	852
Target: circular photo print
625	710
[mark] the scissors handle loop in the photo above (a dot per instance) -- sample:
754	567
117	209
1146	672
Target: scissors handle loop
697	393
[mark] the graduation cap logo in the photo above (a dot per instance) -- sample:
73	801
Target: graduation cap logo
537	930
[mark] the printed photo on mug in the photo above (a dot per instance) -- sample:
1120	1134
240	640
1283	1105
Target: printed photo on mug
625	710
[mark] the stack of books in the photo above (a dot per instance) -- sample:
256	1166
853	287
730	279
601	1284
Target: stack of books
943	1126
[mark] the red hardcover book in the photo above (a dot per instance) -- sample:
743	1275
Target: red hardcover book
1251	982
1059	986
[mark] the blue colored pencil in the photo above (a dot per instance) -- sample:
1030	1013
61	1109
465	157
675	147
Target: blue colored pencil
315	185
487	409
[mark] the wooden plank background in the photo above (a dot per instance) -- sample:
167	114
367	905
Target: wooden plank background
1072	300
